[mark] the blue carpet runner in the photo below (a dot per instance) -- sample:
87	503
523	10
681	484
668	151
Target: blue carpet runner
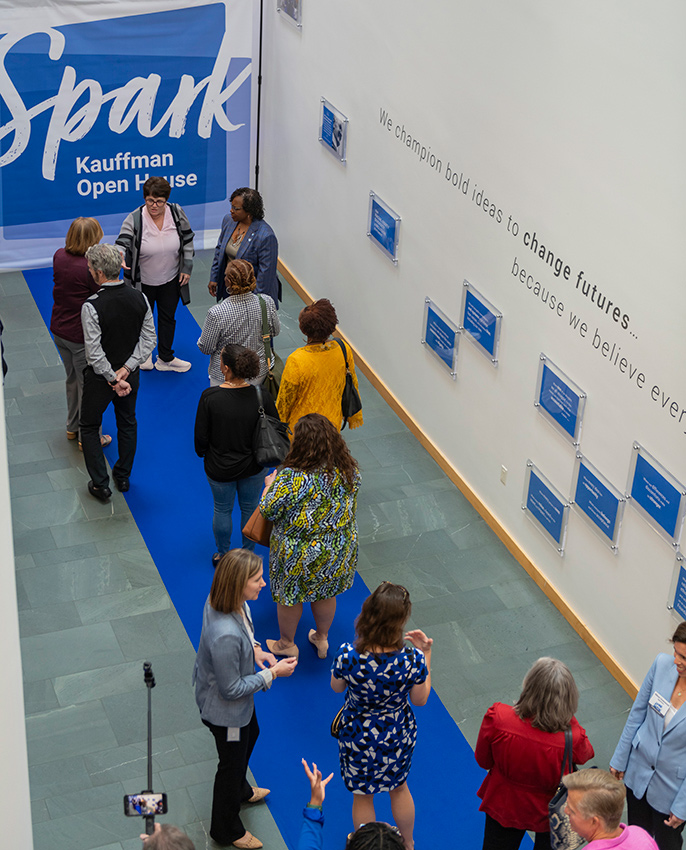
171	503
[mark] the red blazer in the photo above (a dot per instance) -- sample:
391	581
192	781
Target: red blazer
523	765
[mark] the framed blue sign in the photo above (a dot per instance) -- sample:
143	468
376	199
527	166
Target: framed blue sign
291	11
441	336
333	130
559	400
383	227
678	592
601	504
481	322
546	507
657	495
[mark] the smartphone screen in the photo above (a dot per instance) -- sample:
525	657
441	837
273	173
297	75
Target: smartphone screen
145	804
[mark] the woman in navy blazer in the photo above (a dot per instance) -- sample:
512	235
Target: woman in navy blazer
651	754
245	235
225	681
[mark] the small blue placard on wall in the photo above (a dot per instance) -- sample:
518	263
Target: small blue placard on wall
441	336
680	593
481	321
660	497
560	400
547	507
598	501
333	130
383	227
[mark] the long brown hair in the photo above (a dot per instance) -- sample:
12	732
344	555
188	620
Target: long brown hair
233	572
317	444
382	619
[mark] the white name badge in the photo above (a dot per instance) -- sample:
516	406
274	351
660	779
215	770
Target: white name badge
233	733
659	704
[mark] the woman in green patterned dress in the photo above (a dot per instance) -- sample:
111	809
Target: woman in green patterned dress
311	499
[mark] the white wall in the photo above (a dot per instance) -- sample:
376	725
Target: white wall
570	116
14	776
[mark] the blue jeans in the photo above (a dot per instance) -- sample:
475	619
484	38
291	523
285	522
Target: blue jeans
224	494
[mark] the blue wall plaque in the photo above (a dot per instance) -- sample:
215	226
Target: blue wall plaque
383	226
480	322
440	336
559	400
597	500
660	499
680	594
546	507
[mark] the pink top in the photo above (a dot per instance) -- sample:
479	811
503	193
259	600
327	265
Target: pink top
632	838
159	254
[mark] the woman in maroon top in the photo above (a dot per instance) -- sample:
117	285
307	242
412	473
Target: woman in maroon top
73	285
522	747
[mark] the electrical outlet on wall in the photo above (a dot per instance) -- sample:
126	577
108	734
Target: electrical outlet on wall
503	474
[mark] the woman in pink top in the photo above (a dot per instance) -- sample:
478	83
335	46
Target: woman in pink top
158	241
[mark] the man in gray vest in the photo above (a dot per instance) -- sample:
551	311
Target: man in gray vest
119	334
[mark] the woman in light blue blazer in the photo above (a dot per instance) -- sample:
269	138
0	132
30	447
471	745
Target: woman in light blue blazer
225	681
651	754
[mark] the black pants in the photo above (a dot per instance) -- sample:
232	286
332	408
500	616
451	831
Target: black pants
166	297
642	814
231	788
497	837
97	395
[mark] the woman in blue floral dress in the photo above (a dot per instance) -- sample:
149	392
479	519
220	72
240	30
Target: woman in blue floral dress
378	728
311	499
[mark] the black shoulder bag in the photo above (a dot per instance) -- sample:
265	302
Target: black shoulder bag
562	836
350	400
270	443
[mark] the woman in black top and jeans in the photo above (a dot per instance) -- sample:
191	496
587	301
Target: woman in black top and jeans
224	428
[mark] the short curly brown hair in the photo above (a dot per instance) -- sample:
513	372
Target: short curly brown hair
318	321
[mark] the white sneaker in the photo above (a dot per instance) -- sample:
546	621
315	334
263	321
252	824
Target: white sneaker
147	366
175	365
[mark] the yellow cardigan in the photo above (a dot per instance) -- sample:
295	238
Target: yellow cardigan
312	382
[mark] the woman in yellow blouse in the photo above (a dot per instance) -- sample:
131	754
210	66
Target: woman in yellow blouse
314	376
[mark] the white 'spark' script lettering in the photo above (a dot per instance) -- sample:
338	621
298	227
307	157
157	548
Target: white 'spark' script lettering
131	102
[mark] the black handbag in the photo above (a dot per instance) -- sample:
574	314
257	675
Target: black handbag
270	442
562	836
350	400
274	363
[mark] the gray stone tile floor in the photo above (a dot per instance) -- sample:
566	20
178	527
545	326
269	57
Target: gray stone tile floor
89	596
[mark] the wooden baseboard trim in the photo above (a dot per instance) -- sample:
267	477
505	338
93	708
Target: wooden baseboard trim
491	520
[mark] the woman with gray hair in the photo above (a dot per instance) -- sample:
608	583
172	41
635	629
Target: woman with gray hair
595	802
522	748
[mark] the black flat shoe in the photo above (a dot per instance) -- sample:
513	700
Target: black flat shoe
103	494
122	484
216	558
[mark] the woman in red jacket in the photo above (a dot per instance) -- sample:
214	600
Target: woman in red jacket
522	746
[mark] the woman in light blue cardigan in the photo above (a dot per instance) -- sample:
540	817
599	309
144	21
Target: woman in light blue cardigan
225	681
651	754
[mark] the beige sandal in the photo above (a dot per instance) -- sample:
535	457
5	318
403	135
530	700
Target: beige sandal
322	646
248	842
291	652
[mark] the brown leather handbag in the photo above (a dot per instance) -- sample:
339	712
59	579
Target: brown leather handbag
258	528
